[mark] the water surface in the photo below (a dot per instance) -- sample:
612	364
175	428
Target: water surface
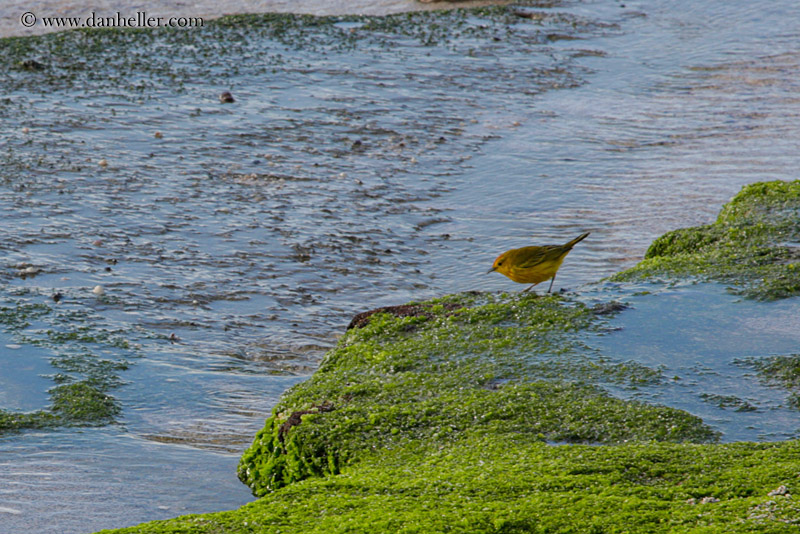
357	168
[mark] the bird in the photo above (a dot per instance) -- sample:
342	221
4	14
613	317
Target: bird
533	265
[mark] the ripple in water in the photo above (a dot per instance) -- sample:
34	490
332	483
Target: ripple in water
359	166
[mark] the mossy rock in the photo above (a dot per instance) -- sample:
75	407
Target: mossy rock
488	366
514	484
754	245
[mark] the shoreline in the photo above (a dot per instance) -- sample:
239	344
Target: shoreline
673	257
509	419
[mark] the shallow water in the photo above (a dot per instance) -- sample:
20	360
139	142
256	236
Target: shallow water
80	480
703	340
235	247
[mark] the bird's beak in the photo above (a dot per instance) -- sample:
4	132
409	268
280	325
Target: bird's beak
491	270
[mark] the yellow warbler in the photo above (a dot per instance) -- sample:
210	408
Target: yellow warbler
532	265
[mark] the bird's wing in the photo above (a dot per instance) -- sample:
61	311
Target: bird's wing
534	256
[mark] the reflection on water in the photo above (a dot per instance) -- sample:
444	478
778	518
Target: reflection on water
22	384
235	241
80	481
702	339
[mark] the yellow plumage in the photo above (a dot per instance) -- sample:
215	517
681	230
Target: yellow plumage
533	265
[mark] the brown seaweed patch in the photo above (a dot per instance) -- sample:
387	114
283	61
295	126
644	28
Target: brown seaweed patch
609	308
297	417
405	310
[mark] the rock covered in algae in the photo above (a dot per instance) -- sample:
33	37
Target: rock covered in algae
470	365
754	245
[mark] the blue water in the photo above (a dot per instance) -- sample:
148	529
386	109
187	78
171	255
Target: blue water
22	382
234	249
703	339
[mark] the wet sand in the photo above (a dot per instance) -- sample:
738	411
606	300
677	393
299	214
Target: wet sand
13	12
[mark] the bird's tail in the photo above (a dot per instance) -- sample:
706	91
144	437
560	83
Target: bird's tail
576	240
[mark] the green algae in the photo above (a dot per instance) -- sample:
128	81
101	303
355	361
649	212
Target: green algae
728	401
754	245
79	403
102	373
81	394
21	315
132	64
15	422
83	403
494	366
782	371
486	485
75	404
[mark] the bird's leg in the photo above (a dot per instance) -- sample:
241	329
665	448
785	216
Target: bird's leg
528	288
551	283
